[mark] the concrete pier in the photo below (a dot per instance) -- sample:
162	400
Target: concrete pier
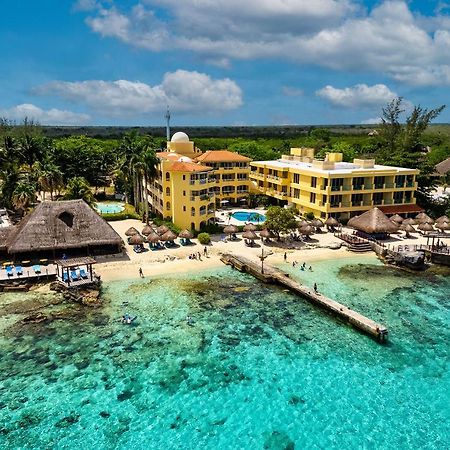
275	276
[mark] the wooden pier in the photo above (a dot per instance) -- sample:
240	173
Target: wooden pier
275	276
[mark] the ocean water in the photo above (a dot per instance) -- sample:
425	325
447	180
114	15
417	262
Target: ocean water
259	368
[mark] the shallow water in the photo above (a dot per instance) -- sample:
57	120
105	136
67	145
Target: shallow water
259	367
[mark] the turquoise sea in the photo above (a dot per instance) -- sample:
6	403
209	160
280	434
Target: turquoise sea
259	368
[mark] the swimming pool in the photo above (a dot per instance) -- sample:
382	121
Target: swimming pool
109	207
249	216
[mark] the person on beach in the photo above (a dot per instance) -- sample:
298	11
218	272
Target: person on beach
205	251
199	256
315	288
310	268
141	273
285	256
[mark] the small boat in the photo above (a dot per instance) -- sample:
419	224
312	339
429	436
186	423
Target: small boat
127	319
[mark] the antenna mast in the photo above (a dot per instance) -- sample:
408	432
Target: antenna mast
167	116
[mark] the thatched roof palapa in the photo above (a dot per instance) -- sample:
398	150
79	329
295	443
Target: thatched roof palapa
407	227
317	223
442	219
230	229
136	239
147	230
373	221
302	223
153	238
186	234
131	231
169	236
266	233
306	230
443	226
396	218
249	227
251	235
60	225
410	221
425	226
162	229
331	222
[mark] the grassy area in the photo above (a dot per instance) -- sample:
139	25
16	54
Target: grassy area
128	213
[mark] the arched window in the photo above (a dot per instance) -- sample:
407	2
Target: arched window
167	190
167	176
168	206
192	211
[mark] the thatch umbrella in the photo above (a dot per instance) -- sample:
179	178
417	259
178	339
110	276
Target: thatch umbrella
302	223
169	235
186	234
306	230
266	233
230	229
407	228
373	221
443	219
250	235
131	231
250	227
147	230
153	238
136	239
396	218
428	220
443	226
317	223
425	226
421	216
162	229
410	221
331	222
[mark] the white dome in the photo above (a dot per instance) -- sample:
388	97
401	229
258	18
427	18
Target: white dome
185	159
180	137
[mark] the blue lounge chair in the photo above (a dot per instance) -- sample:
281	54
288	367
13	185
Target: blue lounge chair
19	270
37	268
74	276
9	271
83	274
65	277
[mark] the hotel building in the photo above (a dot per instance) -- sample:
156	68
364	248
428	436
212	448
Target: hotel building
191	184
333	187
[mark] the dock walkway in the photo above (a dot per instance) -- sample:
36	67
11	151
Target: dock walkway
275	276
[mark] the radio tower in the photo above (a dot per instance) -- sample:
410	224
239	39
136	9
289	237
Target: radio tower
167	116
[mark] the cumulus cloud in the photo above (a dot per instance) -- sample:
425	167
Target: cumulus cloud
358	96
184	91
336	34
45	117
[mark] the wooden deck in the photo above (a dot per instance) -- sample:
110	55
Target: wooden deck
275	276
29	274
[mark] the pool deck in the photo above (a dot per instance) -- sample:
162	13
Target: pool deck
223	216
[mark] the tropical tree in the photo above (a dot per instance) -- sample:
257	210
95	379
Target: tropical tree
78	188
280	220
49	176
23	195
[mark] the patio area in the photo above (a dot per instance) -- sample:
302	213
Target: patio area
240	216
33	273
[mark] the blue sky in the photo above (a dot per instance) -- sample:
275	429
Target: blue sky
220	62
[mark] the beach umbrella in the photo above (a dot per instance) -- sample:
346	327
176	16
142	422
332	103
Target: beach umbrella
162	229
331	222
136	239
230	229
186	234
306	230
153	238
373	221
425	227
147	230
302	223
424	218
249	227
169	236
409	221
443	226
407	227
421	216
396	218
443	219
251	235
428	220
266	233
317	223
131	231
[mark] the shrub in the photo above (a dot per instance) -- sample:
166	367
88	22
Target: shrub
127	213
309	215
204	238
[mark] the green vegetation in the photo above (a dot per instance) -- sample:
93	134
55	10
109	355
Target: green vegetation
280	220
204	238
128	213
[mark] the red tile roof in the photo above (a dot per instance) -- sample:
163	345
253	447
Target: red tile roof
188	167
168	155
221	156
401	209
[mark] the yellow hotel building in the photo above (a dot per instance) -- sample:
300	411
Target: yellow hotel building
192	184
333	187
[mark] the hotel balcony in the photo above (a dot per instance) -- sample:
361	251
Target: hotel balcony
257	175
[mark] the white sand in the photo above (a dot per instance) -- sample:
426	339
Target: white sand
176	260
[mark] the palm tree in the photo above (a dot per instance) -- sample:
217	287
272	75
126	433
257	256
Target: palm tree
150	163
24	194
78	188
49	176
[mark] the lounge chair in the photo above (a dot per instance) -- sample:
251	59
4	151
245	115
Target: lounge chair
9	271
19	270
83	274
65	277
37	268
74	276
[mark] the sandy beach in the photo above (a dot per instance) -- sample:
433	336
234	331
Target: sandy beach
176	260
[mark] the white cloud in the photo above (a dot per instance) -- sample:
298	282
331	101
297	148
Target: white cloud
358	96
183	91
45	117
85	5
373	121
336	34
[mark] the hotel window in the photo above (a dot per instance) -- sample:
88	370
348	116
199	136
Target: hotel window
184	193
358	182
192	211
296	178
312	197
167	176
167	190
184	208
313	182
378	198
408	196
379	182
184	177
398	197
168	206
400	180
357	199
335	200
336	184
